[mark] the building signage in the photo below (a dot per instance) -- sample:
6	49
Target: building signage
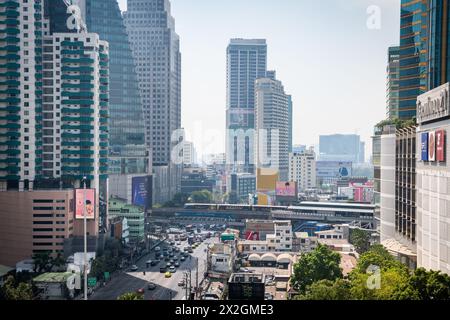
81	202
140	191
433	104
424	146
431	146
440	145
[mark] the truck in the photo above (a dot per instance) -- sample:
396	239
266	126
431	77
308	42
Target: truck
191	239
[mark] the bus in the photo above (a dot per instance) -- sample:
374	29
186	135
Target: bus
189	228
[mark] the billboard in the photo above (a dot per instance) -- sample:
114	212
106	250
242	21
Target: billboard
431	146
252	235
139	187
440	145
286	189
424	146
89	201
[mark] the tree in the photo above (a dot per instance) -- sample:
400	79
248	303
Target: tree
360	239
390	283
327	290
203	196
131	296
430	285
320	264
22	291
42	262
378	256
180	199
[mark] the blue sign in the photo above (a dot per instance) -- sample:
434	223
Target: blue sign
424	146
139	190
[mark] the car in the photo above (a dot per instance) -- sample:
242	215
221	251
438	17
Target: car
172	269
190	250
177	264
161	256
178	243
181	283
167	274
172	261
171	254
162	269
134	267
167	258
154	263
268	296
157	248
186	254
182	258
186	249
168	264
244	270
140	290
165	254
151	286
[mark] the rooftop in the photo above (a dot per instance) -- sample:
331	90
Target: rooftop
53	277
4	270
247	278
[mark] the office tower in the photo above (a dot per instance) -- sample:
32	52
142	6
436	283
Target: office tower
299	148
290	115
392	78
302	169
128	154
340	147
246	62
272	125
413	49
54	126
156	51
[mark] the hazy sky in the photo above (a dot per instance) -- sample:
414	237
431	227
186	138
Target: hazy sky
325	54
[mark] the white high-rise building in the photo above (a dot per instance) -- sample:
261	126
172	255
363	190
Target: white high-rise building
189	154
246	62
272	125
156	51
54	95
302	169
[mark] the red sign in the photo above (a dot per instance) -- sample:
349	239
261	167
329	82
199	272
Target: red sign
252	235
440	145
80	203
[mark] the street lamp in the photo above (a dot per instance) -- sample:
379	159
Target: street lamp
85	237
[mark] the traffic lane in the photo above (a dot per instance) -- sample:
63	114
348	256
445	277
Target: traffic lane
117	286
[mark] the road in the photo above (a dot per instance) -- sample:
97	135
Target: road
167	288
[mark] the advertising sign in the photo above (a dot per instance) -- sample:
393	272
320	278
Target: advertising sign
424	146
286	189
440	145
251	235
140	191
434	104
431	146
80	202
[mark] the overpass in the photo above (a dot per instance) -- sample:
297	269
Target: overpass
326	212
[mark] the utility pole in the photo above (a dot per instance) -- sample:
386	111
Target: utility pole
196	278
85	238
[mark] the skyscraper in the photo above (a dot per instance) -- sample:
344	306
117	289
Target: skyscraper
272	125
290	115
128	153
53	127
156	50
392	82
413	50
246	62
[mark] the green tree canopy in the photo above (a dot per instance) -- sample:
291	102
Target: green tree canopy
377	255
203	196
360	239
320	264
131	296
431	285
11	291
327	290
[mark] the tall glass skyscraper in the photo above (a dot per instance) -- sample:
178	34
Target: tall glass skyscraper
156	50
412	77
246	62
128	153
